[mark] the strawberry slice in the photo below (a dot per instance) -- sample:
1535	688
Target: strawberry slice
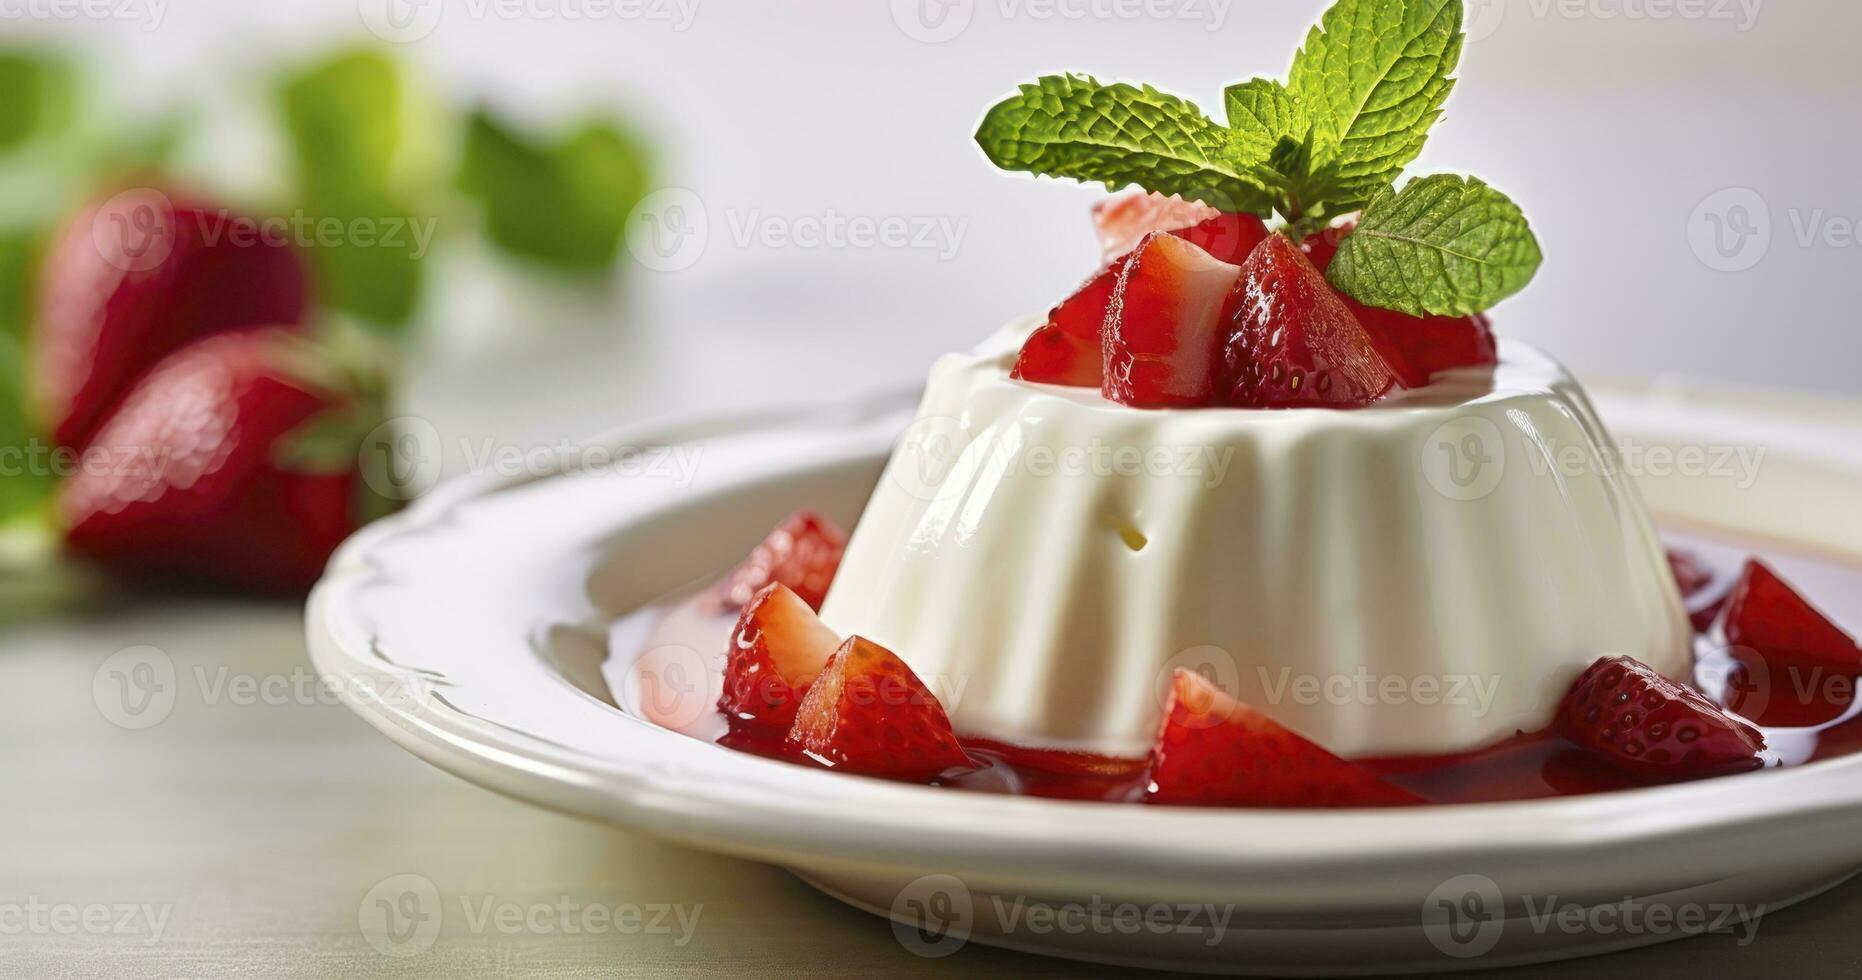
1215	751
1293	342
803	553
1767	615
1642	722
1124	219
776	650
867	713
1066	350
1164	335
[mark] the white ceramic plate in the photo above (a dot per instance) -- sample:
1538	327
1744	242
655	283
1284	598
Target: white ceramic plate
472	629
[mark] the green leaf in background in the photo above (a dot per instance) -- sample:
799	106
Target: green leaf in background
1073	126
22	486
563	204
347	131
1443	245
38	94
1374	76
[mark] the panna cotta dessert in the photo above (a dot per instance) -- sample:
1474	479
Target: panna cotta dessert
1426	575
1262	514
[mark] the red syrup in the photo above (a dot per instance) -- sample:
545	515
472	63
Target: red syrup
1804	718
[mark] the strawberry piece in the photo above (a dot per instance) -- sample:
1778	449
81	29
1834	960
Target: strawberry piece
133	279
1768	616
1293	342
867	713
1215	751
1644	723
777	649
1164	328
803	553
1124	219
236	462
1228	237
1066	350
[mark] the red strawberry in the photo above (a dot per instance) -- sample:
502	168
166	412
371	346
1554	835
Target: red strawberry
1228	237
1066	350
1642	722
135	278
1164	328
1767	615
776	650
1124	219
867	713
1215	751
803	553
235	462
1293	342
1422	346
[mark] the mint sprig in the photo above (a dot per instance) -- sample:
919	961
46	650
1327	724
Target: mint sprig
1363	93
1444	244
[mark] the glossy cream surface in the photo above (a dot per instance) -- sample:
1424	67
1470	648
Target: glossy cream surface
1423	576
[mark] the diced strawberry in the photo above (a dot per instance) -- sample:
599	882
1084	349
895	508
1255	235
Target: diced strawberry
1215	751
1067	349
1228	237
1124	219
1644	723
1293	342
1768	616
867	713
777	649
1164	333
803	553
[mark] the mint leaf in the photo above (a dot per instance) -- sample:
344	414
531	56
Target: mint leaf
347	132
1442	245
1073	126
563	204
1262	113
1374	76
27	486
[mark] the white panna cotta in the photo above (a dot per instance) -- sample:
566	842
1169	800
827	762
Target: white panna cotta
1424	576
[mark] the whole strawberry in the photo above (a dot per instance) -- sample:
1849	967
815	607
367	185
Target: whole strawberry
133	279
235	463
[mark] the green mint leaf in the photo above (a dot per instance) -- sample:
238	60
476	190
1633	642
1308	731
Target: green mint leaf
348	136
30	486
1073	126
1442	245
40	96
1374	76
1262	114
564	204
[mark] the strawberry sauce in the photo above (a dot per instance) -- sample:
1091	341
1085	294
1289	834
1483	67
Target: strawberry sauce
1803	718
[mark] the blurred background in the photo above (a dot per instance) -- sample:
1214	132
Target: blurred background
1619	124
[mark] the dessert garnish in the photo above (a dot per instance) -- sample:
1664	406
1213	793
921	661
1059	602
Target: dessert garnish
1768	616
776	650
1409	267
1643	722
868	713
801	553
